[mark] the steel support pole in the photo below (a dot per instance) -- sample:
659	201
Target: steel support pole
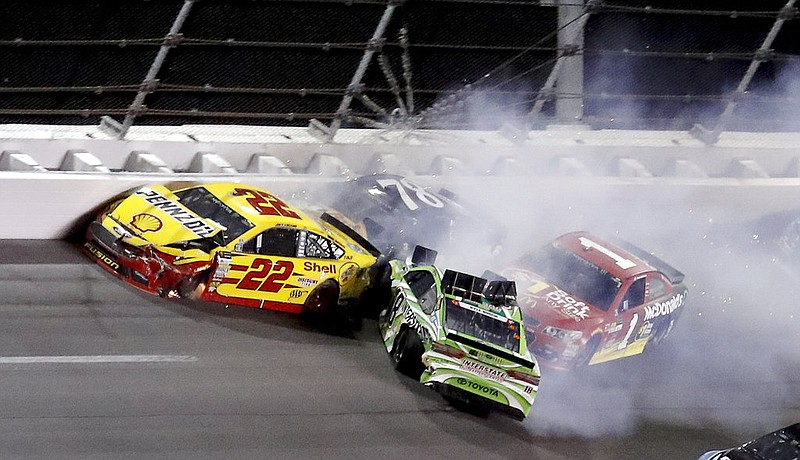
567	72
571	27
150	82
355	84
762	54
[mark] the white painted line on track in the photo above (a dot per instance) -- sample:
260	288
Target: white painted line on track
96	359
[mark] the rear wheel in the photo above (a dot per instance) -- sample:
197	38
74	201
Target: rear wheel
322	300
661	330
407	354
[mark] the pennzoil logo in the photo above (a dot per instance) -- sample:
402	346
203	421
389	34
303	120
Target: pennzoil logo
101	255
145	222
189	220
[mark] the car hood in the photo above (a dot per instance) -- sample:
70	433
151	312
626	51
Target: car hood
159	221
551	305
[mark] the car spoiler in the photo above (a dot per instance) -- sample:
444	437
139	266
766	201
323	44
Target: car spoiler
342	227
463	285
675	276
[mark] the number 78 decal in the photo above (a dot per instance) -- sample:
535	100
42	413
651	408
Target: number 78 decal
404	186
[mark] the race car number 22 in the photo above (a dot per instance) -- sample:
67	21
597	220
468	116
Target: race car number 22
266	204
404	186
266	276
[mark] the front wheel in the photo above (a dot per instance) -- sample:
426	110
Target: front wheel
583	358
407	354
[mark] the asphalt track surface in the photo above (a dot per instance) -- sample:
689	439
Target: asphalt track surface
91	368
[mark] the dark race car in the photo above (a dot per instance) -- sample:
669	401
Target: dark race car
395	214
587	301
783	444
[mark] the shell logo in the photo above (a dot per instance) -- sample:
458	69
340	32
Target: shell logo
146	223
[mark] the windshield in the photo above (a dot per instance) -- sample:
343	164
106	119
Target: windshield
575	275
205	204
470	320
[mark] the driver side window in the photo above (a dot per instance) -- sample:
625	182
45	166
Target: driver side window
635	295
423	286
276	241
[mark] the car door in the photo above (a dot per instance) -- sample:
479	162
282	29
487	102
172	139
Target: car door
623	331
262	268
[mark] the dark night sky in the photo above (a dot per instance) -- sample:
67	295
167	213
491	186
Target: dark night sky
452	44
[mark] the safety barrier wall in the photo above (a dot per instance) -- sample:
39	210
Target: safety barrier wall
563	178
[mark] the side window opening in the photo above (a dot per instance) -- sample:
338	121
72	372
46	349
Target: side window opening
635	295
317	246
423	286
658	288
276	241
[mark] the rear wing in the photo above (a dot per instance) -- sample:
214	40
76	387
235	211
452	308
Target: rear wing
463	285
499	292
342	227
423	256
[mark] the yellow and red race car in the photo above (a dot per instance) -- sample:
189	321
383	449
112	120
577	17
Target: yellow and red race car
232	243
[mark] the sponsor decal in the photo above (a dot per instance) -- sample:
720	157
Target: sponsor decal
483	370
306	282
663	308
223	267
412	321
348	273
571	307
145	222
192	222
295	293
321	268
101	255
477	386
469	306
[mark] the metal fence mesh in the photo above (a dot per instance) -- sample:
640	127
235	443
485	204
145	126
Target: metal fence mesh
480	64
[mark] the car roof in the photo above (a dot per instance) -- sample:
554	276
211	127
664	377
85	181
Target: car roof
611	257
240	204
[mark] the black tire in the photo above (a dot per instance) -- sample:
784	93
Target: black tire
583	358
378	296
407	354
187	287
322	301
662	329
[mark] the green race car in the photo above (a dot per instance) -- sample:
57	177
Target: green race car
461	335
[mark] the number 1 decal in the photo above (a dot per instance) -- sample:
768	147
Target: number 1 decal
624	342
404	185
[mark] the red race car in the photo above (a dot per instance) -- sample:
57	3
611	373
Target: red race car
586	300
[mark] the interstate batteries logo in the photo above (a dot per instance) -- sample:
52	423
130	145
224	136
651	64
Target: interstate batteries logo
483	371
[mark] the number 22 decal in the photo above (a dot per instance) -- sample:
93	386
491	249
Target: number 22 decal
255	279
404	186
266	204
